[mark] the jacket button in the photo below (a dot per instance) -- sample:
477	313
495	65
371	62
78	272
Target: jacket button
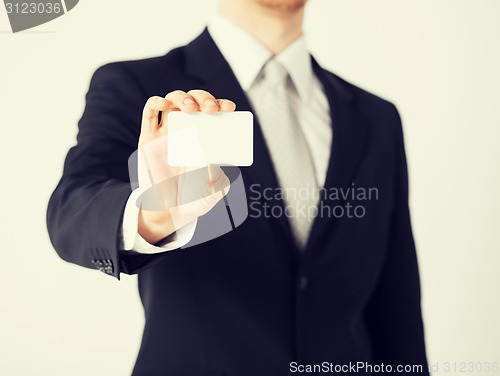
302	282
105	266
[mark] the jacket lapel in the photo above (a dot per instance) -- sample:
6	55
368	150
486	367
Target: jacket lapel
350	137
205	62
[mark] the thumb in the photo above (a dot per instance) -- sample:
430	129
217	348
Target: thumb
219	180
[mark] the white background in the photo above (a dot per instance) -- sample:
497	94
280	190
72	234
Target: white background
438	60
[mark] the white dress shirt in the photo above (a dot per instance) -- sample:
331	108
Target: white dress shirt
246	57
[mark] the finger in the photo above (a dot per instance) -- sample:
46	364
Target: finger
182	101
150	113
218	180
206	101
225	105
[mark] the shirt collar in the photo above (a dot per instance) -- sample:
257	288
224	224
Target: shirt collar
246	55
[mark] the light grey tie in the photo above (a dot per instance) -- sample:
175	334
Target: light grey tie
288	147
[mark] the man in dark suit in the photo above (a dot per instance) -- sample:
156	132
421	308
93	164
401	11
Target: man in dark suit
328	291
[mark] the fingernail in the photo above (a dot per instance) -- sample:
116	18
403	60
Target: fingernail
210	103
188	101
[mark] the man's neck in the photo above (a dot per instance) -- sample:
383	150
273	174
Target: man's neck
275	29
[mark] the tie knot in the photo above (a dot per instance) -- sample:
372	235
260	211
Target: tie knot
275	74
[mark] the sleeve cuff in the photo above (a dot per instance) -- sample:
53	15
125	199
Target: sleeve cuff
131	240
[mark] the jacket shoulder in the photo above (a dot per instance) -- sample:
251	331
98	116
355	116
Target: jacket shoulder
378	114
152	74
367	102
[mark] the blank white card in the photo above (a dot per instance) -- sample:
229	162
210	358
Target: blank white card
222	138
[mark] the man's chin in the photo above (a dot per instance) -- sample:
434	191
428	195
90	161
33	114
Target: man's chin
288	6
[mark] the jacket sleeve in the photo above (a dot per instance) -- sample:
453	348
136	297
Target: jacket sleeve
85	212
394	313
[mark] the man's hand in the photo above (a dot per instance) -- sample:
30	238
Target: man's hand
186	193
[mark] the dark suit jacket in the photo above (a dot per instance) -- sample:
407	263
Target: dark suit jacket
249	303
